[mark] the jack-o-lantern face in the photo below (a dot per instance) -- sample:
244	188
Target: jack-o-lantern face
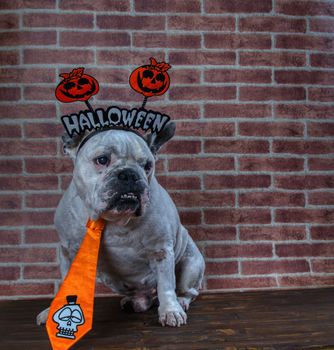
76	86
152	79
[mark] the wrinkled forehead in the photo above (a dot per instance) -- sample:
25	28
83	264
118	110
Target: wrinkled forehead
118	142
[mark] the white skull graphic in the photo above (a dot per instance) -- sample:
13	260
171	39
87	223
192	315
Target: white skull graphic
68	318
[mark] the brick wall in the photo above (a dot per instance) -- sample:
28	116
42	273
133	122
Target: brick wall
251	167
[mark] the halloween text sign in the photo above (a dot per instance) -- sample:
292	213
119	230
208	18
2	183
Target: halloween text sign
114	116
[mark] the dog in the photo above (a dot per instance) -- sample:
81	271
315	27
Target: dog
146	253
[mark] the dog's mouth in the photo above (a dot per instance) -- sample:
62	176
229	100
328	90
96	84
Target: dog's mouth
127	203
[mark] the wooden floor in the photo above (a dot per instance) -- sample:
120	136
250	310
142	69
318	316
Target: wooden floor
301	319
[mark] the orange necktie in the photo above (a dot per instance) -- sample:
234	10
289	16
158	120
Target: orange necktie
71	311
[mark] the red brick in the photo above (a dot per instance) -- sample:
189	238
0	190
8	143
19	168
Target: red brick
198	22
322	265
305	8
23	218
188	217
276	266
110	75
10	166
28	111
10	131
203	93
304	181
27	75
271	164
10	201
41	272
324	232
321	94
164	40
180	182
38	93
272	233
180	111
271	129
185	76
138	58
18	183
303	249
244	283
28	254
209	233
41	235
65	181
228	110
203	199
10	94
21	4
9	58
320	216
26	289
24	148
322	60
131	22
9	21
237	41
58	56
10	236
201	164
237	75
199	57
236	6
167	6
303	147
57	20
40	130
205	129
9	273
272	24
236	216
236	181
276	59
325	25
236	146
104	38
45	200
28	38
321	198
271	199
119	94
182	147
321	163
304	77
309	111
49	165
304	42
221	268
238	251
268	93
96	5
320	129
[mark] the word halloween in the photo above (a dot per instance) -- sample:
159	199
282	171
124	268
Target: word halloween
114	116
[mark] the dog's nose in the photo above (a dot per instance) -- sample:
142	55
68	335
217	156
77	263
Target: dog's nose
128	175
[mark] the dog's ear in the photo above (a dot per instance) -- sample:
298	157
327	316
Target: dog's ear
70	144
155	141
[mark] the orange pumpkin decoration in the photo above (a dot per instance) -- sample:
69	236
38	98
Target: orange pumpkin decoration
152	79
76	86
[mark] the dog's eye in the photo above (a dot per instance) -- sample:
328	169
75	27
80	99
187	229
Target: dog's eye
104	160
148	167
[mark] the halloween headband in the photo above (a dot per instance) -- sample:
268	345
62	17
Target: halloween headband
149	80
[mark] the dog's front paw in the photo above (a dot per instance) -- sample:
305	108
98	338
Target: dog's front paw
42	317
172	315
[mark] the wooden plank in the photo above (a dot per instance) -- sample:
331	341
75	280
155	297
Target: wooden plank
302	319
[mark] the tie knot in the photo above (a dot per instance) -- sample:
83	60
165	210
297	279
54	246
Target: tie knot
95	225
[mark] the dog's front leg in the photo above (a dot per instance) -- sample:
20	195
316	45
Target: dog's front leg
170	311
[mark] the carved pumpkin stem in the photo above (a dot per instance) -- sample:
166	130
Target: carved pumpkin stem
144	102
89	106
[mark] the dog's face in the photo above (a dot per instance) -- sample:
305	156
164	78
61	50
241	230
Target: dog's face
112	173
